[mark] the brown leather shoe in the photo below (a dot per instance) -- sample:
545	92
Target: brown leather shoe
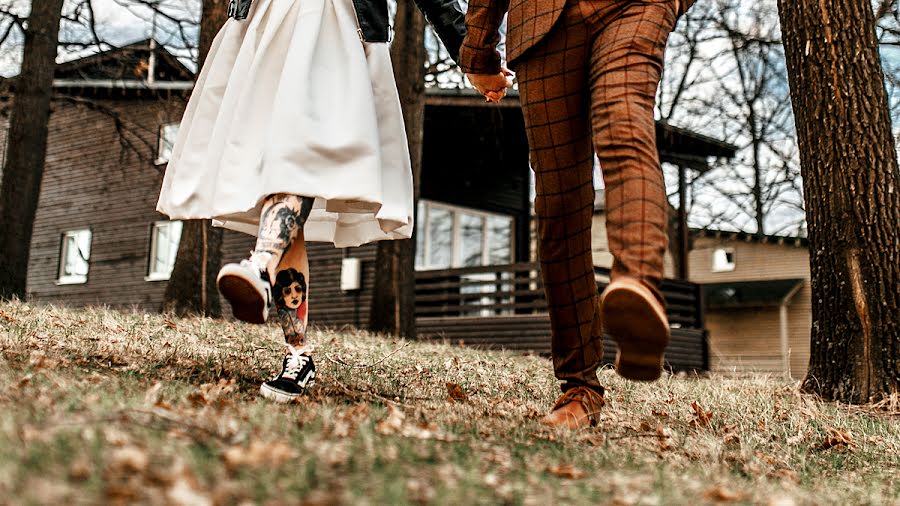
637	322
577	408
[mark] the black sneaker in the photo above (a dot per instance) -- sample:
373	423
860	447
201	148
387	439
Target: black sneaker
298	374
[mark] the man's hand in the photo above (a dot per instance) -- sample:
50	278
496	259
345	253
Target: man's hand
492	86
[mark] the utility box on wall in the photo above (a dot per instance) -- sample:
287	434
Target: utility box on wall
351	274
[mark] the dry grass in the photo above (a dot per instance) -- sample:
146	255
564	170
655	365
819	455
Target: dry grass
99	406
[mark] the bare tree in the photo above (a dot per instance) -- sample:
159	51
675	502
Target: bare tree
393	305
851	177
192	287
27	145
725	76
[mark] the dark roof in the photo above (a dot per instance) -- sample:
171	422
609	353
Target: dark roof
737	294
125	67
727	235
689	148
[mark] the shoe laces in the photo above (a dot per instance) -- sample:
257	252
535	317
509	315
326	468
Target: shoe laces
590	400
297	358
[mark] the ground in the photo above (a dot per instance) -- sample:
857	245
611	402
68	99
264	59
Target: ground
99	406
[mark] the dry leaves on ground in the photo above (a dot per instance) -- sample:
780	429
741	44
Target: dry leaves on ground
702	418
257	454
721	494
456	393
566	471
838	439
212	393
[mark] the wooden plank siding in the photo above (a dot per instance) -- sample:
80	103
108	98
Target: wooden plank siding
748	338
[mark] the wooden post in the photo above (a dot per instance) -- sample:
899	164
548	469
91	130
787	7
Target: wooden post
683	271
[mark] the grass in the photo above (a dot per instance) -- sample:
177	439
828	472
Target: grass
98	406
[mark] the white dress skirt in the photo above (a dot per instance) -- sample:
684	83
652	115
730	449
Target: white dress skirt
292	101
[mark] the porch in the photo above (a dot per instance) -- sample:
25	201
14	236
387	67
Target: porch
503	306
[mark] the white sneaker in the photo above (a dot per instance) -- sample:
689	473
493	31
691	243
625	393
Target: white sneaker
248	293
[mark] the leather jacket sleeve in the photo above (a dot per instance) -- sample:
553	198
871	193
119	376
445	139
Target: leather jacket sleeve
448	21
479	54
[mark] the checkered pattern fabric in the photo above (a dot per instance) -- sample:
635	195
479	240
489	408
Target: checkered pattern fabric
529	22
590	85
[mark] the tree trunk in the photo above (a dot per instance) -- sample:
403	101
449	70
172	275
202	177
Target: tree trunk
394	292
27	146
192	287
852	190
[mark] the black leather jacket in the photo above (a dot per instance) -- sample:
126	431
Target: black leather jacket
445	16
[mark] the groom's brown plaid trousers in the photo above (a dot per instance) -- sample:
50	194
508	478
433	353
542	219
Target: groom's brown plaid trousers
588	72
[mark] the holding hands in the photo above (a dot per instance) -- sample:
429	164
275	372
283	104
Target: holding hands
492	86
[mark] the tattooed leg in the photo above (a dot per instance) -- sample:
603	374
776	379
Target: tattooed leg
291	292
282	219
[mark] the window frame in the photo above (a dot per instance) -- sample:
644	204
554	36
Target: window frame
73	279
160	139
456	234
154	238
729	267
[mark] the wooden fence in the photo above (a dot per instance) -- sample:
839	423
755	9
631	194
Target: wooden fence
503	306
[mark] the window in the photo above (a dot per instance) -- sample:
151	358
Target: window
723	260
167	135
451	236
74	259
164	240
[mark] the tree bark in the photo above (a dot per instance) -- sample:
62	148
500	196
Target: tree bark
27	146
852	190
192	287
394	291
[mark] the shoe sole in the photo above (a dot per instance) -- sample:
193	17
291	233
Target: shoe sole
247	304
278	396
639	328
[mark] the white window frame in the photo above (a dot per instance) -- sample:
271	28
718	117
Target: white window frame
73	279
456	234
154	238
724	266
160	142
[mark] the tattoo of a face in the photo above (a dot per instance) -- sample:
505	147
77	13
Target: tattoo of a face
290	300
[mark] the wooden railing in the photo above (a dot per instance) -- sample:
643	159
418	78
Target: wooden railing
504	306
517	289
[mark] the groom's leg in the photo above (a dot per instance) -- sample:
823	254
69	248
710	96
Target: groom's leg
625	65
553	89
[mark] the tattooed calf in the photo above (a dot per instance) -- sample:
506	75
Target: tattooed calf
290	300
282	217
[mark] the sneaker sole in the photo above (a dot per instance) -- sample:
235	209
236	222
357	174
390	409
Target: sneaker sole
277	395
247	304
639	328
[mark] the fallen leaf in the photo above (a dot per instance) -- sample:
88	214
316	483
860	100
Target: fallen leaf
130	459
566	471
837	438
721	494
731	437
393	423
645	426
212	393
456	393
661	414
701	418
170	324
258	454
80	469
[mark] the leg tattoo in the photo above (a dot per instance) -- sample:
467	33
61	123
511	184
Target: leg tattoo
290	299
283	217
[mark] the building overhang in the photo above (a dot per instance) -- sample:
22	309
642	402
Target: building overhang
750	294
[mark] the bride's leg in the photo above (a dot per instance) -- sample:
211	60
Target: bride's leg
291	293
247	285
281	220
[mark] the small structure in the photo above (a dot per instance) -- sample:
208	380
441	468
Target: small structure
758	300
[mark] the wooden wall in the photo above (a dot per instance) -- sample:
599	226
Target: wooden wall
749	339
